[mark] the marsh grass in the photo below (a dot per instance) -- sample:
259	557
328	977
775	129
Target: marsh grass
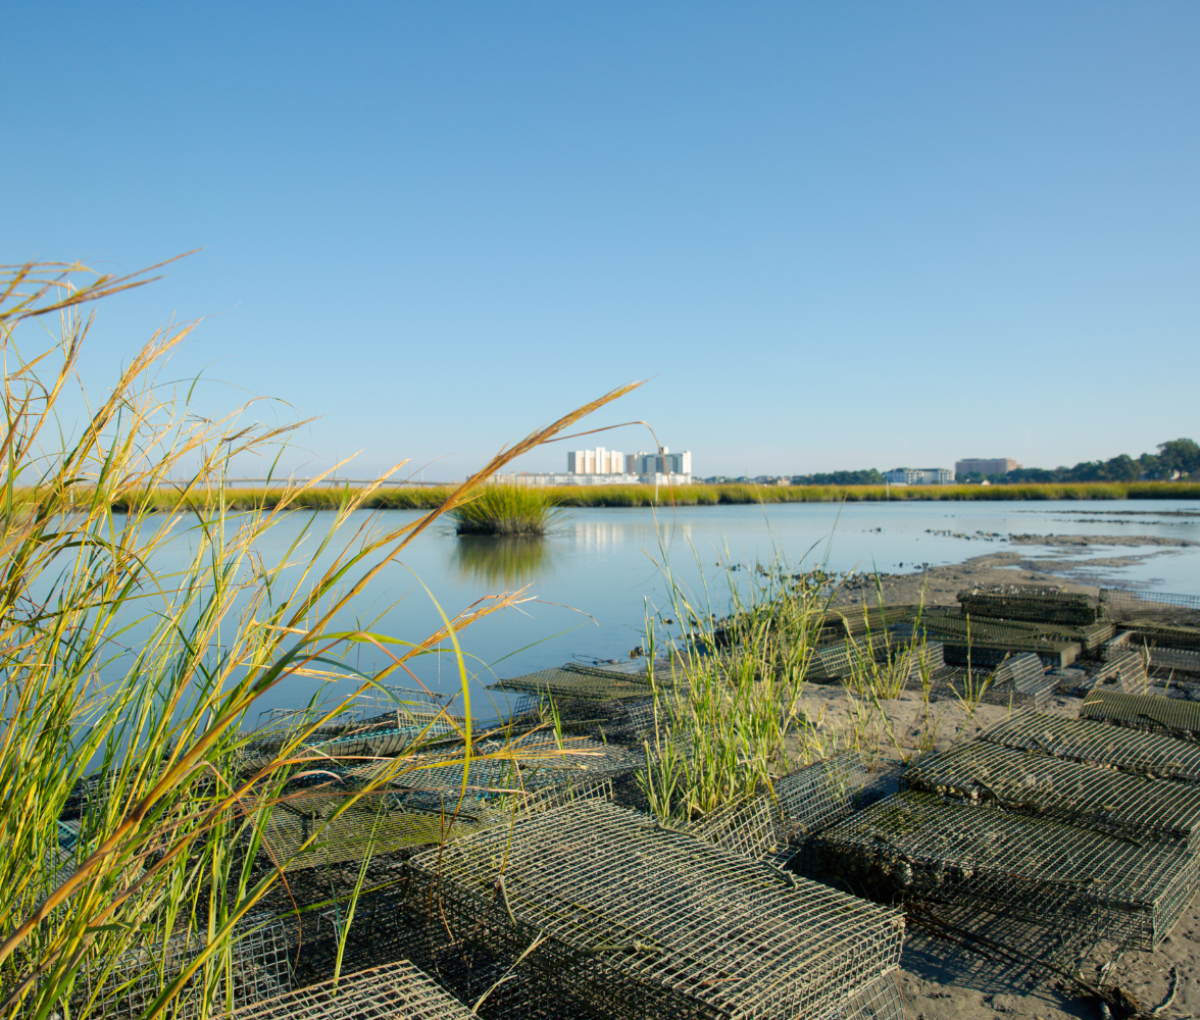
429	497
505	510
731	720
169	841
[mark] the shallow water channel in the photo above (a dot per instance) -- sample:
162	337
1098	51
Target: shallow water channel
599	572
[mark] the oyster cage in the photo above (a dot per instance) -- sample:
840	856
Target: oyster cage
258	969
646	922
571	681
1172	717
396	990
1027	602
1124	606
1087	795
918	845
1097	743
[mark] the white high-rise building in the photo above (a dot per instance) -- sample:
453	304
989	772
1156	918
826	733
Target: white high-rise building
596	462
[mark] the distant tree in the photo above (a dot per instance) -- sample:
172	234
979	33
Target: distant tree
1182	455
871	476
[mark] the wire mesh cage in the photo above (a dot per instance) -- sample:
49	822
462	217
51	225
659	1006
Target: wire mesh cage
1155	606
747	827
879	1000
1097	743
576	682
1172	717
838	624
840	659
1184	660
920	846
651	922
1036	603
391	992
257	968
975	686
1090	796
980	654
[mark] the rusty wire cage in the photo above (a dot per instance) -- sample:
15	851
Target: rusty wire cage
1085	795
643	921
918	845
1097	743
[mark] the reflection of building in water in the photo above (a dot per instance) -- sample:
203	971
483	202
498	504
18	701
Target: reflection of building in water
594	535
602	535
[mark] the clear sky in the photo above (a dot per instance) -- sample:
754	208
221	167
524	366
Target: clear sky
832	235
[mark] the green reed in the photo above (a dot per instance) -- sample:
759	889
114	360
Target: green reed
171	839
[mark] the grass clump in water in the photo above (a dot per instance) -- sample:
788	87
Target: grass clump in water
506	510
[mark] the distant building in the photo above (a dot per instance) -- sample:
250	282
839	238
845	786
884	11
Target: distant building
985	466
664	463
596	462
919	476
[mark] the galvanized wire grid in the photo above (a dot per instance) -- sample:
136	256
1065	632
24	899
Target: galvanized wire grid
125	986
1021	635
1186	660
397	991
1172	717
918	845
1097	743
838	624
1086	795
971	686
879	1000
980	654
1121	605
527	762
1038	604
817	795
832	662
649	922
379	822
574	683
748	828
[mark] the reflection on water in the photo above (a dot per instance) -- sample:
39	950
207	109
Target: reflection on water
502	559
600	536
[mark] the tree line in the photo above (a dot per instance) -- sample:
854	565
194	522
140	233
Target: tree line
1176	458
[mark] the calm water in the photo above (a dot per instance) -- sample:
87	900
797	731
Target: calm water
596	576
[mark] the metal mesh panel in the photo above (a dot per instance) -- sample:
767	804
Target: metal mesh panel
832	662
976	686
1034	603
979	654
573	682
838	624
1097	743
378	822
917	845
1163	636
1170	716
747	828
818	795
397	991
1124	606
880	1000
1018	632
651	922
1185	659
258	970
529	761
1086	795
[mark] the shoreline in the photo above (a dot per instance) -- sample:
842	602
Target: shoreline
393	496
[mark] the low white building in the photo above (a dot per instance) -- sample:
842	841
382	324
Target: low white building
919	476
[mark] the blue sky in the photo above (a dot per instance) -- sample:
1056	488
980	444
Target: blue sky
832	235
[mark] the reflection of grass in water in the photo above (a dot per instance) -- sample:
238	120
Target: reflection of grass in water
501	559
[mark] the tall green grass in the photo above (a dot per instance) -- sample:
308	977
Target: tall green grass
170	841
429	497
500	509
